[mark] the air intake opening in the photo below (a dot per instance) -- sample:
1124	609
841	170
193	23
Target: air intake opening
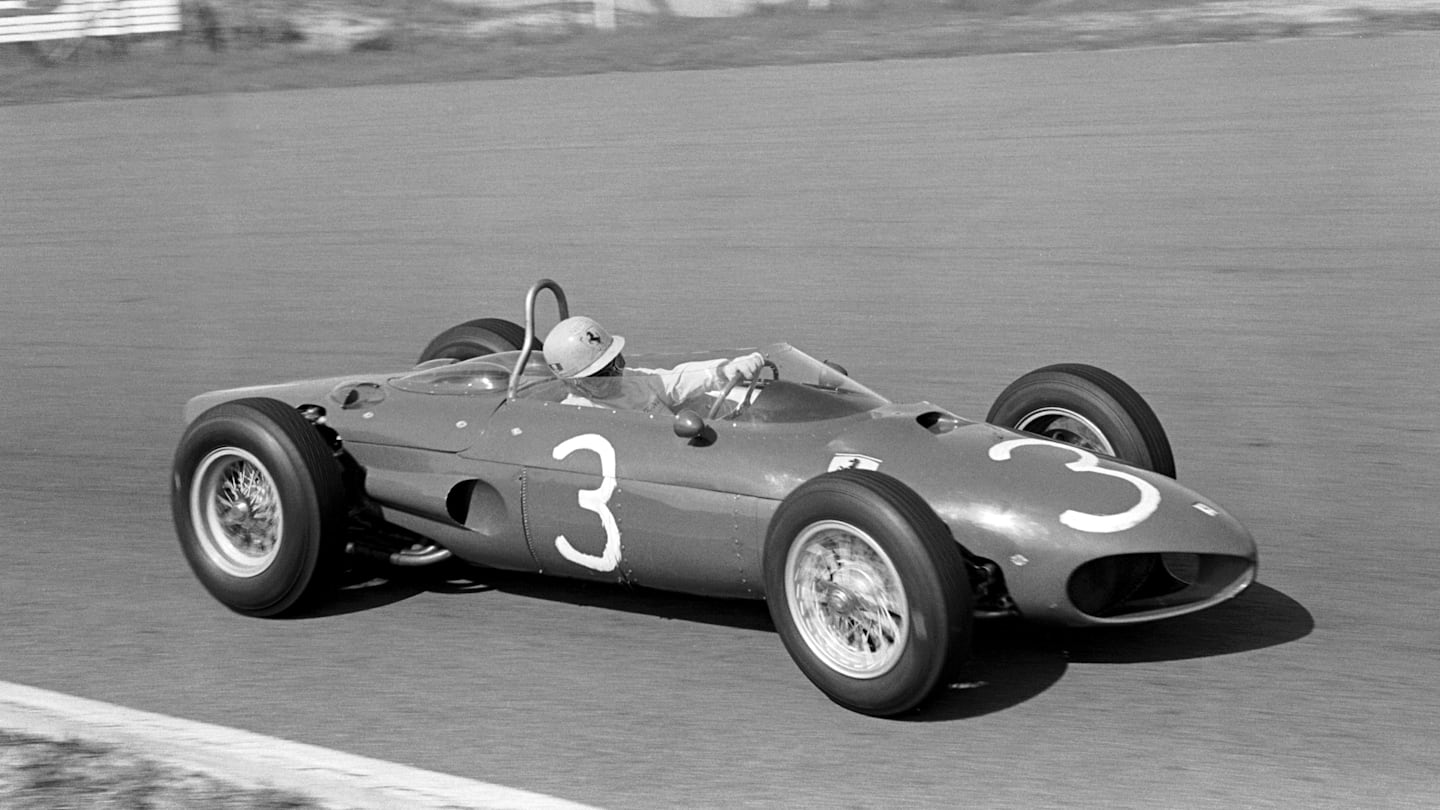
938	422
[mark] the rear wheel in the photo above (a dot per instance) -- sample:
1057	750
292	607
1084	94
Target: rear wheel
867	590
475	338
259	506
1088	407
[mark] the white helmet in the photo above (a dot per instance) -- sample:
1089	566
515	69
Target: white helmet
579	347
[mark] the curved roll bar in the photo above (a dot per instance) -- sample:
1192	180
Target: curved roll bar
561	304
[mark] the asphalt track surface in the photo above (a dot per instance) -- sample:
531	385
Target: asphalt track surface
1246	233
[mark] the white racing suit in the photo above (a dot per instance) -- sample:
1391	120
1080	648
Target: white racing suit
653	390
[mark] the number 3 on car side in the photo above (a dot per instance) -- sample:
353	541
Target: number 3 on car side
596	500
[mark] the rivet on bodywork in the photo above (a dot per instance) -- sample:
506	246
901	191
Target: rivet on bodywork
1019	559
461	424
368	415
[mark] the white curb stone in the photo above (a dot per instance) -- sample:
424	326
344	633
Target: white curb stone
332	778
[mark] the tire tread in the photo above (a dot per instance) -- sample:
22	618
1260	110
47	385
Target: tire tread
1152	433
317	464
508	331
939	554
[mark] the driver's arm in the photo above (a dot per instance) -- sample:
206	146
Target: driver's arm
689	379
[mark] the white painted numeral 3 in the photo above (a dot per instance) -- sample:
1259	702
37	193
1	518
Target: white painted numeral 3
1084	521
596	500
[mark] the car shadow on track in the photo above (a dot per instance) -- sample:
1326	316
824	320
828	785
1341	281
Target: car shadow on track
1261	617
367	589
1013	662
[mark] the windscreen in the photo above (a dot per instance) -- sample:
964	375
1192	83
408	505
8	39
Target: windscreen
792	387
489	374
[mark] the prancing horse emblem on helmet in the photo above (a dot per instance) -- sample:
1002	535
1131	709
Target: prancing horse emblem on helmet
579	347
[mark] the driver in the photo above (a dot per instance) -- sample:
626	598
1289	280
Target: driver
588	358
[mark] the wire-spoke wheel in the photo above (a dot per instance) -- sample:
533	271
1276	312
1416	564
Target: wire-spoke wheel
1087	407
867	590
846	598
236	510
1067	427
259	506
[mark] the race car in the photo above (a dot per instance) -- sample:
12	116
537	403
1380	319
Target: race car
875	532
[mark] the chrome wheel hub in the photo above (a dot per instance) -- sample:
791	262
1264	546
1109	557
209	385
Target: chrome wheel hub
1067	427
235	507
846	599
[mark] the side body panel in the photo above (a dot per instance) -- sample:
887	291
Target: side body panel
617	496
471	507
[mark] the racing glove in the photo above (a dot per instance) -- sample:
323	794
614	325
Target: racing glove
746	366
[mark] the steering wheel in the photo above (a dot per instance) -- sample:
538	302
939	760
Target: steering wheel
749	392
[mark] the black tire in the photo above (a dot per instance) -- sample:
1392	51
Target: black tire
1088	407
819	605
475	338
250	468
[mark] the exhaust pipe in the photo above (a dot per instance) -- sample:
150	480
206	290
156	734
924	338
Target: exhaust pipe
413	557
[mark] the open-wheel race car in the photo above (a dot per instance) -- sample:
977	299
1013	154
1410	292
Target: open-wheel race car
875	531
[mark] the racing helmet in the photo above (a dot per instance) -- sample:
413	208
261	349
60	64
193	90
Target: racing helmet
579	347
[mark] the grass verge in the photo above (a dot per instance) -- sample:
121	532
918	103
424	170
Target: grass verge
43	774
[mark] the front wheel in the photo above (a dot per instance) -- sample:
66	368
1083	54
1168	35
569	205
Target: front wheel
259	506
867	590
1088	407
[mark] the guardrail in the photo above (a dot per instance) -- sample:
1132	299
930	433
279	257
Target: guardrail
46	20
54	29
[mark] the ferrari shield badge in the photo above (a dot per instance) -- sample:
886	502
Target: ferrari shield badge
853	461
